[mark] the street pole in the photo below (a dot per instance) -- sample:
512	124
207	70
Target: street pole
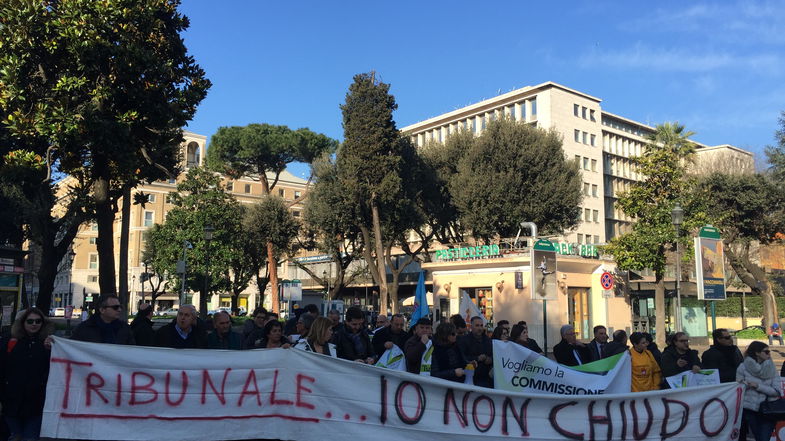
143	278
208	236
677	216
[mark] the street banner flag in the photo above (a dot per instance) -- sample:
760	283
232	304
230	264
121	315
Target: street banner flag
392	359
469	309
102	391
420	300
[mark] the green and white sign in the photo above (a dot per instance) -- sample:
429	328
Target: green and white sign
468	253
580	249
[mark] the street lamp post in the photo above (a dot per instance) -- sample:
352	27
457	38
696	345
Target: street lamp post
182	269
208	237
677	217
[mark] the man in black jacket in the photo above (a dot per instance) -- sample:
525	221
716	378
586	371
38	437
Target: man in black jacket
569	351
617	346
597	345
105	325
678	357
352	342
183	332
391	335
723	355
142	326
477	346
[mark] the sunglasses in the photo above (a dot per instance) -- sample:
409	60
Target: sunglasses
724	337
115	307
34	321
766	351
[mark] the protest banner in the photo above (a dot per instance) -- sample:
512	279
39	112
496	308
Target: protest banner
703	377
392	359
469	309
98	391
516	368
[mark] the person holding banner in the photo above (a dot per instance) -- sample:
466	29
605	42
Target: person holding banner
105	326
617	345
318	338
520	335
478	347
678	357
388	336
415	346
25	368
723	355
759	375
646	372
569	351
447	361
352	342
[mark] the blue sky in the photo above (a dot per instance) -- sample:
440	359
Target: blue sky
717	67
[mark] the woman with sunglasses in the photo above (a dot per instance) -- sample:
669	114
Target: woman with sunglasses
25	368
520	335
760	377
447	361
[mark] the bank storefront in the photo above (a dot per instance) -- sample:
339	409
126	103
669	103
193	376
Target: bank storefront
498	281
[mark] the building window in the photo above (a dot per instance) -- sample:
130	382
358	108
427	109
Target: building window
172	180
512	112
92	279
594	165
93	226
247	188
149	218
591	116
168	199
586	188
594	190
578	159
585	138
593	140
92	240
281	192
577	135
230	186
192	155
296	213
151	198
576	110
92	261
297	194
585	163
580	238
596	239
595	216
587	215
583	112
534	106
588	238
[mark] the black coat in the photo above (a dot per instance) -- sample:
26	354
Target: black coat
670	356
614	348
471	348
594	352
565	354
384	335
25	370
168	337
715	358
531	345
445	360
413	350
345	348
93	331
144	335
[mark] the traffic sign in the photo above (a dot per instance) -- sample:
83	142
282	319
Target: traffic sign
606	280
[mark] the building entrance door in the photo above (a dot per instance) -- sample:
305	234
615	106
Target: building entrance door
578	311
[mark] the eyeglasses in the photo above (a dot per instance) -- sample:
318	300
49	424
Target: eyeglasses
115	307
34	321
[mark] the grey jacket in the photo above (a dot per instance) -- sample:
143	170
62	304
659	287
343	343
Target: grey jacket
767	389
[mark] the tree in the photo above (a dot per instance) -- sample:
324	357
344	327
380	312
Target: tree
200	201
269	223
108	86
514	172
257	150
776	153
663	164
329	222
372	170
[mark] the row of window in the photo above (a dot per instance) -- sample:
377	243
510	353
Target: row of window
621	146
585	138
621	167
624	127
247	190
590	215
590	190
524	110
586	163
587	238
583	112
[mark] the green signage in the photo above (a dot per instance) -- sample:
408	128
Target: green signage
709	232
468	253
583	250
544	245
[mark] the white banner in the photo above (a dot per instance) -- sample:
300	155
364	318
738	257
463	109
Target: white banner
517	369
100	391
704	377
392	358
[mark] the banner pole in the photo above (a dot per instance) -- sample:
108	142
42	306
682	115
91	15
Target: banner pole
713	316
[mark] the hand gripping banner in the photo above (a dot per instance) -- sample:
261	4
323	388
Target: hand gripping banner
100	391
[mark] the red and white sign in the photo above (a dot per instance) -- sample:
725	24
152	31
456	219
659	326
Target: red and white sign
606	280
98	391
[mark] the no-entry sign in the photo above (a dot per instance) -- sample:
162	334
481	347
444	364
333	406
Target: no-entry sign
606	280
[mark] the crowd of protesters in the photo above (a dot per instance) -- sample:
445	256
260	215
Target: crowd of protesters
457	349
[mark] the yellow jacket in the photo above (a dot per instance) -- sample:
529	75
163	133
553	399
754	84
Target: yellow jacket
646	373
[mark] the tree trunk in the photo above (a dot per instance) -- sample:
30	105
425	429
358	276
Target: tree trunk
46	278
272	269
122	272
105	242
659	310
756	278
377	232
371	263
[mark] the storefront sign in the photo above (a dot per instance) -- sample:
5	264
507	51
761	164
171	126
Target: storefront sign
99	391
576	249
468	253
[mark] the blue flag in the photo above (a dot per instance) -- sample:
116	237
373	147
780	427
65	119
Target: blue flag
420	300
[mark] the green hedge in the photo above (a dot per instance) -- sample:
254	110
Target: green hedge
732	306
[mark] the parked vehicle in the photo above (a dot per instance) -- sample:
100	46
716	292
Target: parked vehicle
170	311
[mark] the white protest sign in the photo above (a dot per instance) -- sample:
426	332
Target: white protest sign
705	377
392	359
98	391
425	361
516	368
